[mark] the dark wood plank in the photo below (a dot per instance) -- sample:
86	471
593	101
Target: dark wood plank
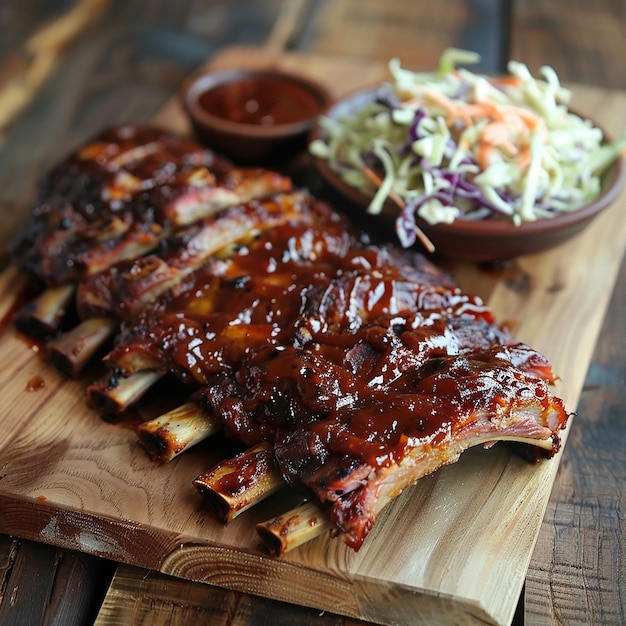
416	32
18	21
41	584
577	574
583	41
578	564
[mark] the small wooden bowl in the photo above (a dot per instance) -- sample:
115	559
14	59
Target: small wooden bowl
482	240
253	115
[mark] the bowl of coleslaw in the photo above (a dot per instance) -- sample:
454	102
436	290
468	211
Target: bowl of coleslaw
472	167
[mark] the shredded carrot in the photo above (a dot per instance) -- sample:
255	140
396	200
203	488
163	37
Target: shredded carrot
482	110
506	124
438	98
483	156
506	81
523	160
530	119
497	134
495	111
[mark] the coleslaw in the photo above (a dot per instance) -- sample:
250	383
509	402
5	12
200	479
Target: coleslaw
451	144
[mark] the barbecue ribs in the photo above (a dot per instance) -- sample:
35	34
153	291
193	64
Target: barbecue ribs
355	368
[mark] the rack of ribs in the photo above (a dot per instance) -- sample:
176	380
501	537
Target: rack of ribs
345	368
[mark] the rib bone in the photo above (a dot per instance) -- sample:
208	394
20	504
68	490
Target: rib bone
71	352
236	484
166	436
114	394
42	316
294	528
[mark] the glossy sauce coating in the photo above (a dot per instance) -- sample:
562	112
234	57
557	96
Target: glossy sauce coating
348	358
425	407
311	321
291	286
323	343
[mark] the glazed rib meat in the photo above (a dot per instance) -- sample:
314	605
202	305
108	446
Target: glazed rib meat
361	456
364	366
116	197
232	303
356	422
303	277
113	201
126	287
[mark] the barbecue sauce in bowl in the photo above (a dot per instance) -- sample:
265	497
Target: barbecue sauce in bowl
253	115
260	101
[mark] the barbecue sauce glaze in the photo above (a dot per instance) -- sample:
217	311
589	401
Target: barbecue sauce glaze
350	359
307	329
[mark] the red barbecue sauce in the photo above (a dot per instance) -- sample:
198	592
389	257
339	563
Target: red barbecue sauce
253	316
260	101
243	475
36	383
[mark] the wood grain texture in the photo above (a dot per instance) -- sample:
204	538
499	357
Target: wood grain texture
583	41
146	597
465	534
416	32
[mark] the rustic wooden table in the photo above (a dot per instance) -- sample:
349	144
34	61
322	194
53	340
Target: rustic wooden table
69	67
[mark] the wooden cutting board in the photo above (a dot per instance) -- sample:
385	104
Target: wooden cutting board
453	549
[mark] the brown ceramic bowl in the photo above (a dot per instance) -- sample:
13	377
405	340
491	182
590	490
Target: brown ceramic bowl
253	115
484	240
